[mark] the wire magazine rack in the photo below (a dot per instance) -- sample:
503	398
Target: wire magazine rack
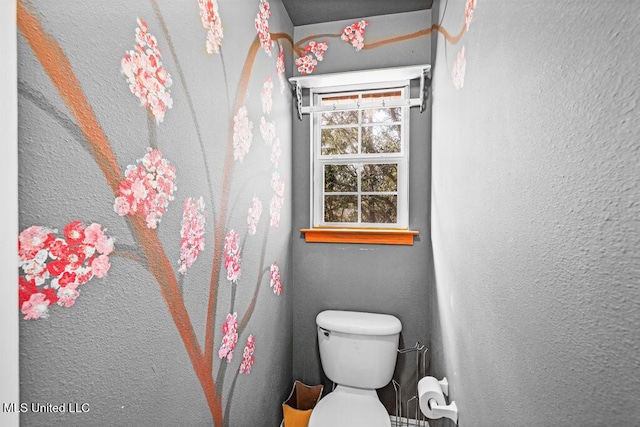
403	408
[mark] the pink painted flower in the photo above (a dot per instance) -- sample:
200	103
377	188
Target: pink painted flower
232	256
267	130
459	66
306	64
74	232
230	338
50	294
210	19
94	236
32	240
73	257
318	49
275	151
100	266
247	355
262	26
354	34
191	233
277	183
73	260
232	264
274	279
37	307
277	200
280	69
468	13
121	206
67	295
26	288
242	134
253	217
147	77
147	188
265	95
275	208
36	268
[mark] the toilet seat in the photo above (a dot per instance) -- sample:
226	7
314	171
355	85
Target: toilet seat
350	407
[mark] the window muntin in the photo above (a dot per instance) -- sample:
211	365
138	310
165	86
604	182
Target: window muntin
360	159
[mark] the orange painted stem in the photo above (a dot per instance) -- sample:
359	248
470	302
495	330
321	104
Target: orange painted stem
298	46
448	37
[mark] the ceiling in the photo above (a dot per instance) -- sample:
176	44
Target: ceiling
303	12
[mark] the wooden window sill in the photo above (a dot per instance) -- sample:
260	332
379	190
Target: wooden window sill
378	236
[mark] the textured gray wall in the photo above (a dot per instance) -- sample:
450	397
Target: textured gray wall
376	278
118	348
535	214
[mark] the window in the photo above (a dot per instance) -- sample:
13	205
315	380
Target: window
359	162
360	146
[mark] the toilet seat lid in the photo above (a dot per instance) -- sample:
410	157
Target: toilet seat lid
349	410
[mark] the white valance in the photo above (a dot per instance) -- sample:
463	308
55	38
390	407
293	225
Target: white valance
381	76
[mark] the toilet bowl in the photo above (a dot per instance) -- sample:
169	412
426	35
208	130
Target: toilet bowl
358	352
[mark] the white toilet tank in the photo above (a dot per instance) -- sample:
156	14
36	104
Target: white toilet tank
358	349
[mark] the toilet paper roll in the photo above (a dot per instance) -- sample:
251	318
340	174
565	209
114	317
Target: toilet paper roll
429	388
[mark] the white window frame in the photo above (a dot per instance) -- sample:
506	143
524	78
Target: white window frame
318	161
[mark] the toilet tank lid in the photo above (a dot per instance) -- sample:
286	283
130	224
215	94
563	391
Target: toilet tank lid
357	322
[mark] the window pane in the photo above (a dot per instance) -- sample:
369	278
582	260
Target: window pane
380	177
339	141
339	117
341	208
340	178
380	209
349	117
381	115
381	139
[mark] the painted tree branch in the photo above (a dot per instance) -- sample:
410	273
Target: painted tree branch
220	224
453	39
183	81
261	272
298	46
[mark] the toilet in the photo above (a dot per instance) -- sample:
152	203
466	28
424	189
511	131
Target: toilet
358	352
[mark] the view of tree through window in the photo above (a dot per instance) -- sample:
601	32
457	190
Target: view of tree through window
360	152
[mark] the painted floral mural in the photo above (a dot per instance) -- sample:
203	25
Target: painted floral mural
219	212
262	26
307	64
163	208
148	79
147	188
53	266
242	134
280	66
354	34
459	67
211	22
470	5
192	232
247	355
